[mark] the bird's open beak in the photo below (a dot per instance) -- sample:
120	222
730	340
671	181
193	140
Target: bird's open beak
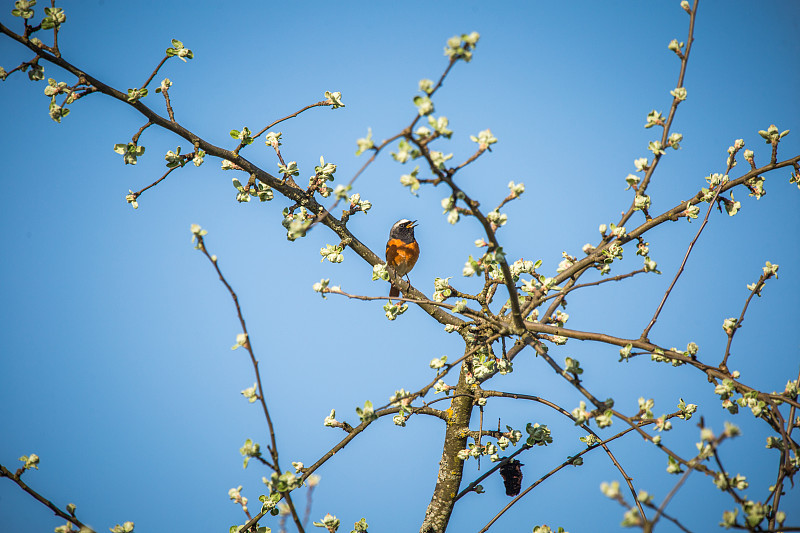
412	224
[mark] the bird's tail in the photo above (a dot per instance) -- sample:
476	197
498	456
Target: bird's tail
394	292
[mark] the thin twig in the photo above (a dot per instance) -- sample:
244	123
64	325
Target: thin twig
376	150
756	290
566	291
273	449
727	488
159	180
309	501
670	518
447	368
469	488
466	311
572	380
352	434
56	27
585	427
488	227
710	371
153	75
170	112
471	159
673	108
635	424
566	463
784	466
135	138
17	478
669	215
683	264
667	499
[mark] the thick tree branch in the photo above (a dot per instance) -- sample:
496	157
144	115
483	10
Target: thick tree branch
711	371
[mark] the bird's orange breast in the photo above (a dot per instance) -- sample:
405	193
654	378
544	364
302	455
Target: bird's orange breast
402	256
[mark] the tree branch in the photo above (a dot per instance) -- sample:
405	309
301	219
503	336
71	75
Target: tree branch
17	478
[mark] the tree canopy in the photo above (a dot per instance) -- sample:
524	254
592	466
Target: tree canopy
117	369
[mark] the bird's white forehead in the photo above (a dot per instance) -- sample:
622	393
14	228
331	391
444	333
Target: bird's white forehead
401	222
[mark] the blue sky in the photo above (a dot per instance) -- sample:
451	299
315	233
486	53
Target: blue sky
116	368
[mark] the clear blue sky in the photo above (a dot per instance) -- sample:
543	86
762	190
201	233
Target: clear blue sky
116	368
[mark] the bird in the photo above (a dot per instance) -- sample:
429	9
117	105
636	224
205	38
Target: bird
402	250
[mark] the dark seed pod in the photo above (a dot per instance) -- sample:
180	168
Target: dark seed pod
512	476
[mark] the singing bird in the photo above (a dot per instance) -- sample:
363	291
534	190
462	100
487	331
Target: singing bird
402	250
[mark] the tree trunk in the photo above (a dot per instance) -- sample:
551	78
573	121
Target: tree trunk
451	468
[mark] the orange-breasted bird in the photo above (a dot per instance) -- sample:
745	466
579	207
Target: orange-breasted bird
402	250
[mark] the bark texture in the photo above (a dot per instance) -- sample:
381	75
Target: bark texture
451	468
